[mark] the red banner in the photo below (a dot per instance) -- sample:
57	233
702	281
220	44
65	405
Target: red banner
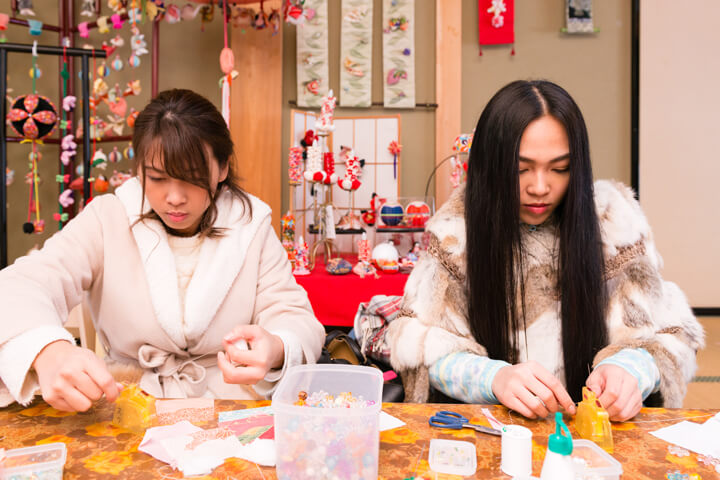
496	21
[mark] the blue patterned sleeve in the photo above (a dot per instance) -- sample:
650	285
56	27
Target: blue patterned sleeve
640	364
466	377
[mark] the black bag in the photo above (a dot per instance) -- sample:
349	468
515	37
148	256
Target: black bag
342	349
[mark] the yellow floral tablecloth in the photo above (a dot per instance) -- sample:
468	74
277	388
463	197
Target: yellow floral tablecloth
96	449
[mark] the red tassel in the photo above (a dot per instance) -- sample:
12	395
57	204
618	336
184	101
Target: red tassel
479	51
513	51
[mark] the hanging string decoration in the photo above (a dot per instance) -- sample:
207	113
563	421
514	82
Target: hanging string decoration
461	148
227	64
394	148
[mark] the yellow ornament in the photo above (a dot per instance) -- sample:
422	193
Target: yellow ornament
35	72
592	421
134	410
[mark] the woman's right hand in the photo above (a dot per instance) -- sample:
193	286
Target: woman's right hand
72	378
529	389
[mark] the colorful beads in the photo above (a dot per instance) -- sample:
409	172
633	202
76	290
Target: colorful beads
322	399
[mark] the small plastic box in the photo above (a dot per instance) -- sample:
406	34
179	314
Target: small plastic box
327	443
594	463
453	457
42	461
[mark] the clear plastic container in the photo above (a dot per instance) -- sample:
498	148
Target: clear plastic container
453	457
594	463
42	461
327	443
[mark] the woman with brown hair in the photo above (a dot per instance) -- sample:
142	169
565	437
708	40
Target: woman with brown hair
179	265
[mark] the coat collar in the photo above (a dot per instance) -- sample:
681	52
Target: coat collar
220	262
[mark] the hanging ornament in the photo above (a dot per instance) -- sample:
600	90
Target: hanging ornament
115	156
69	103
172	13
87	9
117	63
83	29
496	22
25	8
134	61
129	152
101	185
35	72
102	24
118	178
350	182
295	165
189	11
9	176
4	21
32	116
103	70
65	199
117	41
288	235
394	148
132	117
35	27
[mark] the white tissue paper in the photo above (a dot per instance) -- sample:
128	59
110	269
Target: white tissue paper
697	437
171	443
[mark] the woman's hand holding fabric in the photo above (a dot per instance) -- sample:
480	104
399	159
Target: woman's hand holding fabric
529	389
71	378
267	351
617	391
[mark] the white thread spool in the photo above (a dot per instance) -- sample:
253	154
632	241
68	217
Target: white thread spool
516	450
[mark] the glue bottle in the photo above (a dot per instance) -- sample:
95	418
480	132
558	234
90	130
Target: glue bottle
558	464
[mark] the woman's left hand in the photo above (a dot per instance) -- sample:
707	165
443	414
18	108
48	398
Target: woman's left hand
248	367
617	390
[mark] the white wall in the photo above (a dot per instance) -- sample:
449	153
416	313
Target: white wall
680	141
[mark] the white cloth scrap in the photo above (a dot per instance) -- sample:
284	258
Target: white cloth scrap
170	444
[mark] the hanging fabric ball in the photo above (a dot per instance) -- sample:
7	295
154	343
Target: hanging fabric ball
28	228
117	63
227	60
115	156
134	61
101	184
79	170
39	226
32	116
35	72
129	152
103	70
36	156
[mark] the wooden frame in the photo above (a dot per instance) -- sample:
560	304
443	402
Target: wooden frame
448	89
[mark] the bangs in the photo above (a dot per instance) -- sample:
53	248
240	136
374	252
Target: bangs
177	153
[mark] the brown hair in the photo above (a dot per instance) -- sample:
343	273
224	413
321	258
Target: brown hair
177	127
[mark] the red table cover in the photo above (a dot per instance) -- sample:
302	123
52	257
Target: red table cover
335	298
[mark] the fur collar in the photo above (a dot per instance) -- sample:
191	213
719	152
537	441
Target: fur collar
622	222
219	264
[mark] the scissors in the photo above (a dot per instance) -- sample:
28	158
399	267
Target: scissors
447	419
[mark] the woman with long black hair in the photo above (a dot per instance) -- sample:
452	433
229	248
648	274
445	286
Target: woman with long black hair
538	281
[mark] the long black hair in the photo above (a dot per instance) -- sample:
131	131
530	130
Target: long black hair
494	248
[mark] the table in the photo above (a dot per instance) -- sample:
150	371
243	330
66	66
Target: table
96	449
335	298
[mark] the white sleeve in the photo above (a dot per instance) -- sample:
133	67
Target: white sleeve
16	358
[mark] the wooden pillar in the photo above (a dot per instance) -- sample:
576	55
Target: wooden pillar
448	85
256	112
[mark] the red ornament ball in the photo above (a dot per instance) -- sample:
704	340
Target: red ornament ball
32	116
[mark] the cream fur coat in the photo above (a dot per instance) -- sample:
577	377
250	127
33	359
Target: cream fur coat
128	272
644	310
